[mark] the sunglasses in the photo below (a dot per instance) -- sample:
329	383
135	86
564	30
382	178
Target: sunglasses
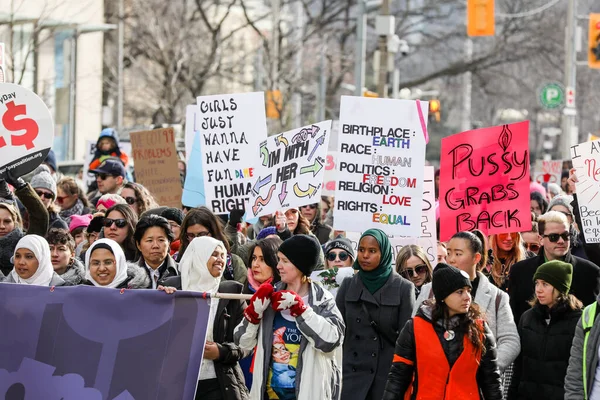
419	270
311	206
553	237
532	247
103	176
129	200
192	236
48	196
120	223
343	256
60	199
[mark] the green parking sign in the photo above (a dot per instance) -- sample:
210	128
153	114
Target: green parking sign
552	96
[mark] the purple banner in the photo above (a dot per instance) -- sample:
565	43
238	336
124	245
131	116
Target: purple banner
95	343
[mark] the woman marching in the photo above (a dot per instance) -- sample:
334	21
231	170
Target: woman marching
547	331
412	263
201	269
297	330
446	351
375	303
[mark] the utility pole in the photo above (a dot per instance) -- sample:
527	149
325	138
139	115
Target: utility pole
297	96
569	113
383	53
120	87
361	48
465	124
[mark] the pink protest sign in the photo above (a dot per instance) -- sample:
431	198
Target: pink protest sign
484	181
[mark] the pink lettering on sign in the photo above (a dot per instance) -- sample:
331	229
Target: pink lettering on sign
484	181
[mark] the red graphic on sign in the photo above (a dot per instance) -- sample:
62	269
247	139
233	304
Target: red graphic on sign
12	124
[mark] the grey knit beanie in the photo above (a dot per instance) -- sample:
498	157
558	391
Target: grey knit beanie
561	200
44	180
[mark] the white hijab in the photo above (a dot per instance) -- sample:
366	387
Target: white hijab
121	274
40	248
195	275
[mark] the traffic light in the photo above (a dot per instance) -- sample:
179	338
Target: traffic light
434	109
480	18
594	42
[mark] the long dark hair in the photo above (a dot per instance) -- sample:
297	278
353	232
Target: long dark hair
269	247
128	245
470	323
144	199
476	242
206	218
303	226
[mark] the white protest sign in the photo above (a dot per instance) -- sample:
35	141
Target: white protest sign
586	161
381	157
26	131
428	239
291	170
232	128
329	175
548	171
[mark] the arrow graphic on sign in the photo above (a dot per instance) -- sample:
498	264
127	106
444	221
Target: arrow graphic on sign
265	154
283	193
281	140
304	134
310	192
263	202
260	183
320	141
315	168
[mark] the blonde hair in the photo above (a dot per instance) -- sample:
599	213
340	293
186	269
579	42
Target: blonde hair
14	213
552	216
500	270
407	252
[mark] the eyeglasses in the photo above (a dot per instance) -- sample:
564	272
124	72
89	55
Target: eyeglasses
192	236
532	247
419	270
120	223
46	195
129	200
311	206
343	256
553	237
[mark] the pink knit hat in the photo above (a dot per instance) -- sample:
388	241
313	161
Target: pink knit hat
78	221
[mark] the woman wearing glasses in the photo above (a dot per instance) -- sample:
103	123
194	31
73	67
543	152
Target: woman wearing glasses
71	199
312	212
199	222
412	263
339	256
375	303
138	198
531	239
45	187
507	250
119	225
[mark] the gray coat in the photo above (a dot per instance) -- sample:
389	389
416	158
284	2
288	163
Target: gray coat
56	280
494	303
367	354
574	378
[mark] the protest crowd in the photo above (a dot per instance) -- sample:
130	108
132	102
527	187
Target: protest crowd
328	314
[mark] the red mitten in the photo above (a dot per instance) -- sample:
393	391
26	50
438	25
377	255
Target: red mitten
259	303
288	300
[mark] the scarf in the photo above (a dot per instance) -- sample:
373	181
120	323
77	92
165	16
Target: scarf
40	248
375	279
121	263
77	209
253	284
195	275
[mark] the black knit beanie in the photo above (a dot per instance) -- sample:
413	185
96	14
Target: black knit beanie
557	273
303	251
173	214
446	280
340	243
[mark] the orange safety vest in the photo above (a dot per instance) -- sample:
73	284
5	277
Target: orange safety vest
435	377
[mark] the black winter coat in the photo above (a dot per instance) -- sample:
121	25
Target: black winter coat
401	374
367	354
539	371
229	315
585	285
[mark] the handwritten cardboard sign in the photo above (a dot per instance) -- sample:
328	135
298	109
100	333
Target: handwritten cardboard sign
232	128
381	157
484	181
291	170
26	130
156	165
586	161
329	175
548	171
427	240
